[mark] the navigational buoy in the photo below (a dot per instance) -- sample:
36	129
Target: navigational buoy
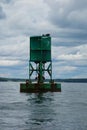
40	64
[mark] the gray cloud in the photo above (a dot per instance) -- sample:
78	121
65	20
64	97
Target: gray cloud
69	18
68	13
5	1
2	13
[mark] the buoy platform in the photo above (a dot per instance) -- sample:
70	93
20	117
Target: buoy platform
40	87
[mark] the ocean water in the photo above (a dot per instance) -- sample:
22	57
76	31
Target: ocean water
66	110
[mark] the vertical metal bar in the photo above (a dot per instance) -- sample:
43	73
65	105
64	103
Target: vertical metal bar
51	70
29	65
29	70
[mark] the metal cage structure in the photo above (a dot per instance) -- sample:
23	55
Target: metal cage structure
40	62
40	54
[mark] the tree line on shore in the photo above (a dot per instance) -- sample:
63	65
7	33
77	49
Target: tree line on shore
83	80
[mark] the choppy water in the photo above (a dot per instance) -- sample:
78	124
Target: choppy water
49	111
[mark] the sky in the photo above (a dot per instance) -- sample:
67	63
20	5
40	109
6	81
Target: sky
64	20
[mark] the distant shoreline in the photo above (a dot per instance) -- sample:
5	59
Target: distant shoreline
78	80
11	79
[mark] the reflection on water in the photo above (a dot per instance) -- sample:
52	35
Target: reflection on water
40	97
41	111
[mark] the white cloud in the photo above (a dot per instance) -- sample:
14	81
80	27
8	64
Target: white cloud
4	74
63	70
72	57
70	53
26	16
15	47
8	63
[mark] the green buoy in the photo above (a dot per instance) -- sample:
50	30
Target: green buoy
40	62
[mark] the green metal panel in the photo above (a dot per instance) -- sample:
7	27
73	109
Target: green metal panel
46	43
40	48
35	43
40	56
46	55
40	43
35	56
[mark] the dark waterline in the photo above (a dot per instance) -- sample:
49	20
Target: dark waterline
49	111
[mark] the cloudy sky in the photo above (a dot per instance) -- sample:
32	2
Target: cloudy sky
65	20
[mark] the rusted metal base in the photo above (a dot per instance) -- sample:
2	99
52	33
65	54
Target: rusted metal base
40	87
